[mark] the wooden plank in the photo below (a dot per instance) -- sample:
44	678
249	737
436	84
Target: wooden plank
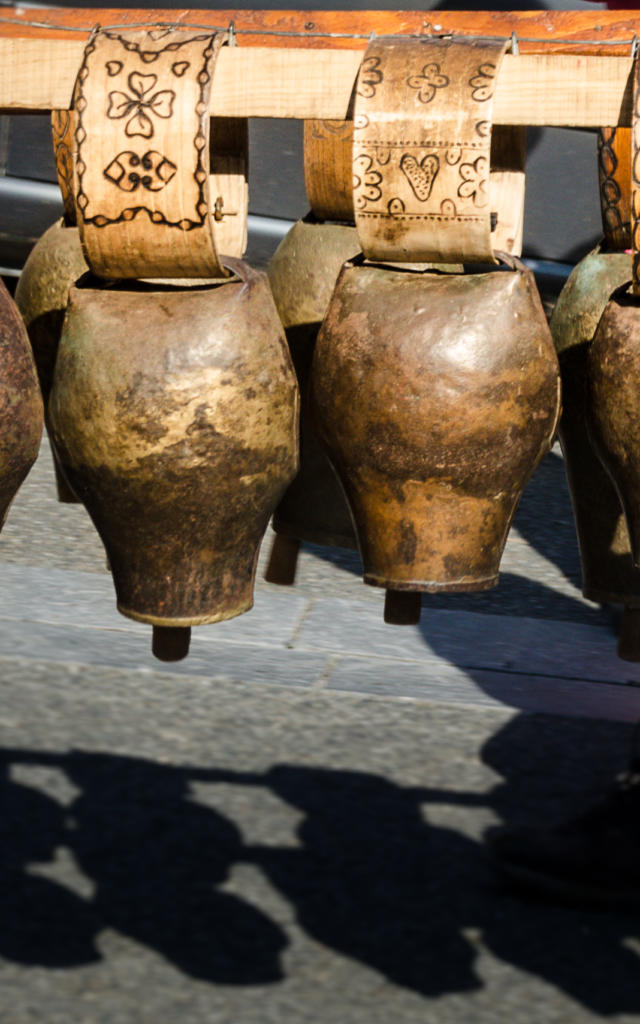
296	83
563	90
537	30
38	74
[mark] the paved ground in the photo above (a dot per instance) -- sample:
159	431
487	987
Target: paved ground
287	826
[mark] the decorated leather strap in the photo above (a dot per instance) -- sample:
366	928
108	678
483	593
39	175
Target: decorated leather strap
150	202
423	152
635	180
614	176
63	130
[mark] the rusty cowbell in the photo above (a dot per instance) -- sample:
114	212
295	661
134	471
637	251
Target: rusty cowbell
21	411
436	393
53	265
174	404
302	274
608	573
613	394
174	413
42	292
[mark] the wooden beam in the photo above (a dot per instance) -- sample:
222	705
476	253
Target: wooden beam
562	90
538	31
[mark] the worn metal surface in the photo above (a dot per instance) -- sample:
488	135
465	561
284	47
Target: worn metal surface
42	292
21	412
175	415
302	275
436	396
608	574
612	403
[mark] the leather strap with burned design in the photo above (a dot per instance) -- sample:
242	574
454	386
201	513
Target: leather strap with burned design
423	149
147	202
635	180
614	176
63	131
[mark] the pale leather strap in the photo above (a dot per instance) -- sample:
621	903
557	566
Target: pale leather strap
635	180
423	148
147	203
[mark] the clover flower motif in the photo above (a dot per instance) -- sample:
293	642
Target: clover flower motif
482	83
370	77
474	181
366	183
139	105
427	83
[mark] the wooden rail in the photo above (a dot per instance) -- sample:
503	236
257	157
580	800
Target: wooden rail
573	68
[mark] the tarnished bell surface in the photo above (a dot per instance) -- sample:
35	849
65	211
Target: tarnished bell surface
175	412
54	263
302	274
21	412
436	396
608	573
613	396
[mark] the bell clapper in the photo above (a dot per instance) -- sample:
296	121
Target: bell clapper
283	560
402	607
171	643
629	635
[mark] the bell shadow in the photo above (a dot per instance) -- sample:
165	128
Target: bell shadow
372	878
375	881
155	859
42	922
544	517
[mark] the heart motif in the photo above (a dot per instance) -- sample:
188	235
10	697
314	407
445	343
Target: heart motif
422	175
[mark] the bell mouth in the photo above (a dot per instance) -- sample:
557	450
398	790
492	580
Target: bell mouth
148	285
230	611
469	584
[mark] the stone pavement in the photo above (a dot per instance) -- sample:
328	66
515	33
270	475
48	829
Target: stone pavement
287	826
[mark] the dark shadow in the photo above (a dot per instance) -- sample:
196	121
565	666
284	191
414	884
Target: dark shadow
554	768
155	859
544	517
371	877
42	923
503	5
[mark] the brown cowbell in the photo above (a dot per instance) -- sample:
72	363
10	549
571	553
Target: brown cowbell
21	412
175	414
436	396
613	395
608	574
302	274
54	263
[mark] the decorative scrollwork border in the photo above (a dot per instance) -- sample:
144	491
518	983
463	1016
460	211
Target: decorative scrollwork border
200	142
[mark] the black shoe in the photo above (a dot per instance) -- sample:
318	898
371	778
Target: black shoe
592	860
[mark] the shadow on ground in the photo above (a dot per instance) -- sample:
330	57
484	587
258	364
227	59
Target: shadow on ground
371	878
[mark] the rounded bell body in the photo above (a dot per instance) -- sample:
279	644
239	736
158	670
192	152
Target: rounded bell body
42	292
436	396
21	411
302	274
174	411
608	574
613	400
